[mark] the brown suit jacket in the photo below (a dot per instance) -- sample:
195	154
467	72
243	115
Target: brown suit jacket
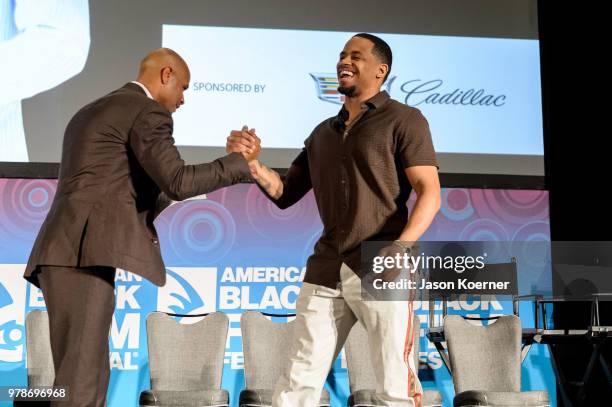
118	155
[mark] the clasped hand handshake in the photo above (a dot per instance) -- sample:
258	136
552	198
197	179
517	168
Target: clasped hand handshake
244	141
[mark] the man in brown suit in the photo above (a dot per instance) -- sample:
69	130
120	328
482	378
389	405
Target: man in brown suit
118	162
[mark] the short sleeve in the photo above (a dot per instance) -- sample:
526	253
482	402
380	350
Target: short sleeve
414	144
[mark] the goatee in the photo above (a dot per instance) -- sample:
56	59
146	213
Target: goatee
347	90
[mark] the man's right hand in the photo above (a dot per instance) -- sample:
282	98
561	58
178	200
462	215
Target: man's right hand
244	141
248	144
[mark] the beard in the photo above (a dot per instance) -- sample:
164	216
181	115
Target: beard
347	90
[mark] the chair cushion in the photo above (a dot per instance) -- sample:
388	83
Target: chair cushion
188	398
501	398
263	398
365	398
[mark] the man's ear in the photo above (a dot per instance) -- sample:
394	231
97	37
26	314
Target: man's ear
166	74
382	71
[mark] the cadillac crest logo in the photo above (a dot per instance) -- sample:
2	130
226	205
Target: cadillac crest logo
327	87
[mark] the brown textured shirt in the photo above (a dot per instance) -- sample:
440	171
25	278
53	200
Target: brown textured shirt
358	177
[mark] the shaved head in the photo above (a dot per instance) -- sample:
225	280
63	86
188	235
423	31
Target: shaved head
160	58
166	75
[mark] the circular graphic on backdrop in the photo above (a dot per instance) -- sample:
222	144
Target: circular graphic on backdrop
219	195
531	243
456	204
273	223
484	230
24	205
511	206
533	231
201	231
487	230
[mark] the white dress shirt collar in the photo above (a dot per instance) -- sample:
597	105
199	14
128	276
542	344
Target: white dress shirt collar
144	88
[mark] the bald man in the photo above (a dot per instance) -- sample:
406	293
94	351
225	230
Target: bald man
118	162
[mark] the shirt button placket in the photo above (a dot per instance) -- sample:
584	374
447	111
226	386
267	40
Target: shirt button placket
343	173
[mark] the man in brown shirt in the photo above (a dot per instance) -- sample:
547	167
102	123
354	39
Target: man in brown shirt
362	164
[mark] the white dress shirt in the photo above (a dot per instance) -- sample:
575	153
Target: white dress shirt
144	88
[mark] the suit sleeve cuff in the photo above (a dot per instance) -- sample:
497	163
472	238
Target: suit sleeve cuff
236	167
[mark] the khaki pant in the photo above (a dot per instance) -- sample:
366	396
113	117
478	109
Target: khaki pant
324	319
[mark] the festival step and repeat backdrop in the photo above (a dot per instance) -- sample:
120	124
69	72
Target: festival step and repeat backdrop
235	251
